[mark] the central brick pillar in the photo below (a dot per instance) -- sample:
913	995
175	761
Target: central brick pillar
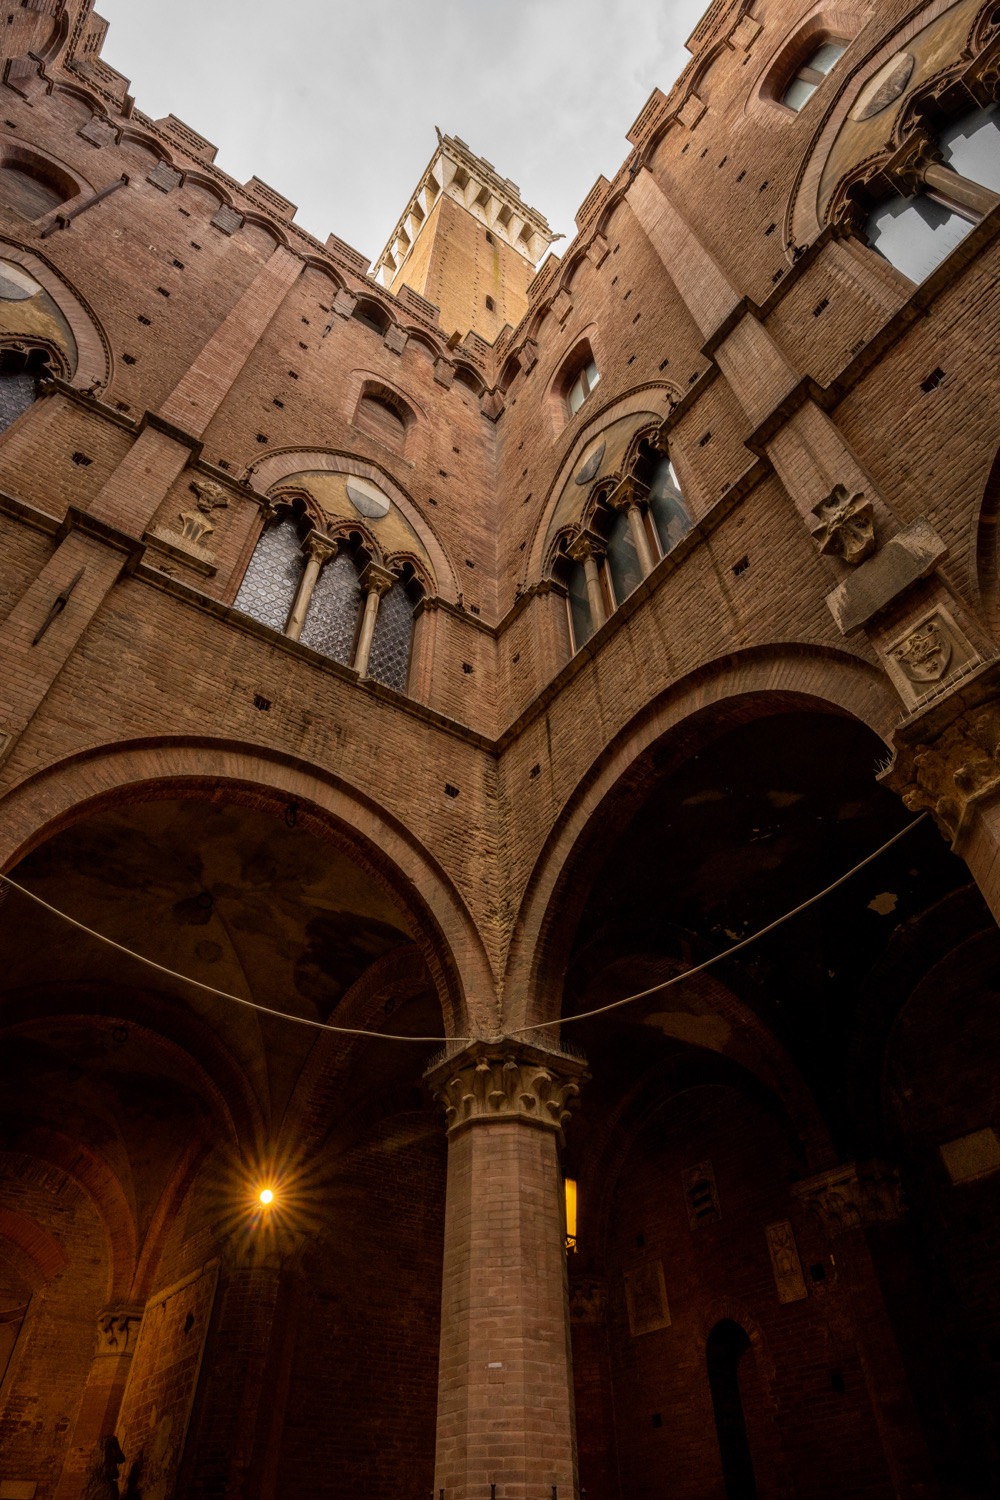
505	1383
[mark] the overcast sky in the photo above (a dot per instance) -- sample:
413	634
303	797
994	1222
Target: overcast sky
334	104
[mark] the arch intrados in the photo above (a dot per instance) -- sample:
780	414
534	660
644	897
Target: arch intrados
204	183
334	811
267	226
313	263
755	684
181	1036
37	1245
656	1090
49	169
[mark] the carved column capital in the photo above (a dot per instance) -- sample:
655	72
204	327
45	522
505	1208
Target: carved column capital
118	1329
377	580
507	1080
947	758
628	492
853	1195
320	546
908	166
586	545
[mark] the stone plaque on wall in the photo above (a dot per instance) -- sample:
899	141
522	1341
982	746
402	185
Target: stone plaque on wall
785	1263
646	1297
157	1403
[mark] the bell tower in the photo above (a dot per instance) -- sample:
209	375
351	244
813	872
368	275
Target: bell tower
466	242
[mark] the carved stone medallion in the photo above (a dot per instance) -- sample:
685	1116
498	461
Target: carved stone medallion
885	88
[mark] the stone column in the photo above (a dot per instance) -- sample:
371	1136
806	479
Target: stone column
626	498
918	165
850	1200
117	1335
505	1385
587	548
319	549
375	581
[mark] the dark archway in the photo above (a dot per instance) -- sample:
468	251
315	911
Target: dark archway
726	1346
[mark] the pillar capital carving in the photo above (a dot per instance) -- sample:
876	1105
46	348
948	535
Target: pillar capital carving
377	580
628	492
586	544
947	758
118	1328
507	1080
853	1195
320	546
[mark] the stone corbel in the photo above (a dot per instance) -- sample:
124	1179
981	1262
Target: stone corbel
506	1080
853	1196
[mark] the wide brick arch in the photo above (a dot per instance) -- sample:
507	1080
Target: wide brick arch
64	793
730	692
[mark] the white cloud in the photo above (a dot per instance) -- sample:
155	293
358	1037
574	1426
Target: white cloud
335	106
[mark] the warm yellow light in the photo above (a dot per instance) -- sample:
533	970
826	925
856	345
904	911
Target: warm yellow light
570	1186
266	1195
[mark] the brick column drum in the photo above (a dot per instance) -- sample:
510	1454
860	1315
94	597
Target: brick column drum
505	1393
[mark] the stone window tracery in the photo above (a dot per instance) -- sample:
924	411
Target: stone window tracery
918	206
327	592
21	373
631	524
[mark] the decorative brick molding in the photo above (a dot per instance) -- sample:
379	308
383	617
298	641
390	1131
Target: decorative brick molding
504	1080
853	1195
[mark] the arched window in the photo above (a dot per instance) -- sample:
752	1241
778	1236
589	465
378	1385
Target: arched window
666	507
577	378
581	619
384	415
31	186
331	622
389	661
272	579
623	560
810	75
469	378
727	1344
915	234
971	147
372	316
20	375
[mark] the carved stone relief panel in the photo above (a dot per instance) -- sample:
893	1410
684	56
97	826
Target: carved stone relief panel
930	653
785	1262
646	1298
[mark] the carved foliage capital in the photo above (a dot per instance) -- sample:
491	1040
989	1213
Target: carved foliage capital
853	1195
945	763
586	544
118	1330
492	1082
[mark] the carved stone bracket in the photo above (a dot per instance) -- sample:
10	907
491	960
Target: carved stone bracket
853	1195
628	492
505	1080
317	544
118	1329
377	580
947	758
588	1299
846	525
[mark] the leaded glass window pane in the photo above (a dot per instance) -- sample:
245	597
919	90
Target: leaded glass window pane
272	580
623	560
798	92
332	617
915	234
971	147
579	607
667	507
17	392
827	56
389	659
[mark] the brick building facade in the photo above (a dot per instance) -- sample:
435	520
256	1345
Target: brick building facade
401	669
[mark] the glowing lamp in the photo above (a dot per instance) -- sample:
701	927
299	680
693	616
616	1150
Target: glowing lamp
266	1196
